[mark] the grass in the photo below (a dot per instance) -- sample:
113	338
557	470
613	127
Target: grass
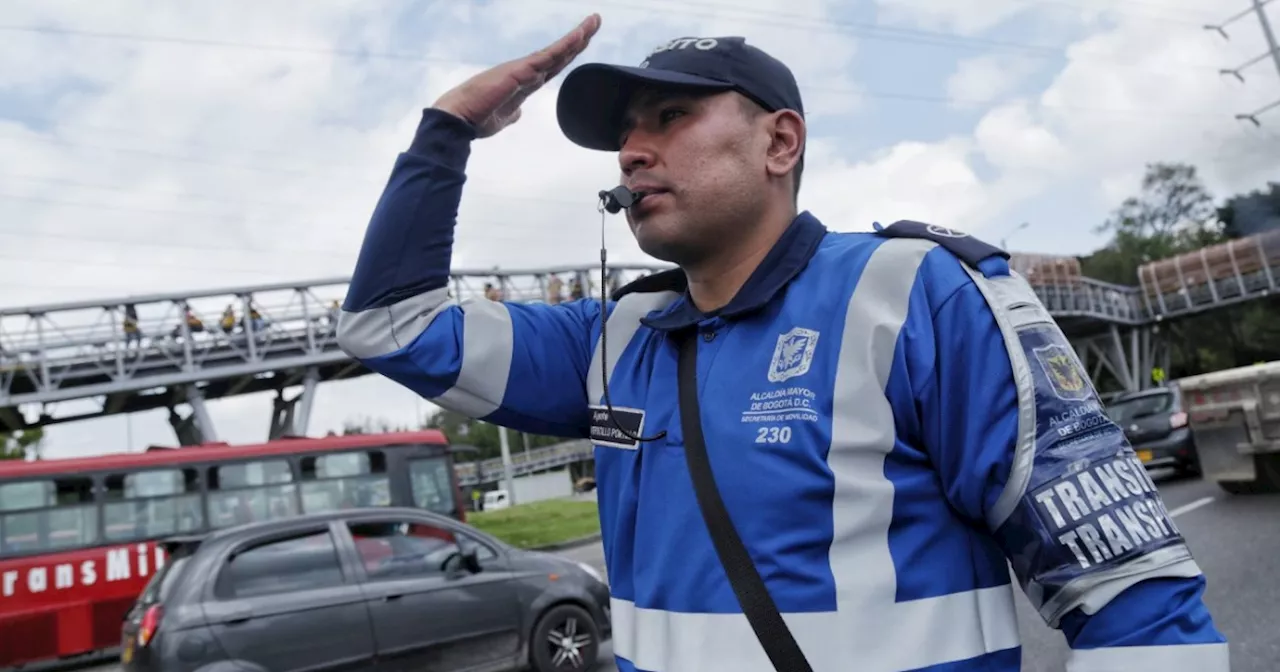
539	523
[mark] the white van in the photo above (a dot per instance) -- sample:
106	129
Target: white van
496	499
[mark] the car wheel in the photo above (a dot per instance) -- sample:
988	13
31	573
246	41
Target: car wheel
566	639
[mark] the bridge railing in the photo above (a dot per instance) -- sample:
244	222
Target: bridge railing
1095	299
51	348
538	459
161	322
1219	275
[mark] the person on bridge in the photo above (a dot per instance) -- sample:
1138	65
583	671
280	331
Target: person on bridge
892	417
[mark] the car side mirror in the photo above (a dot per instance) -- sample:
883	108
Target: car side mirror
471	561
462	562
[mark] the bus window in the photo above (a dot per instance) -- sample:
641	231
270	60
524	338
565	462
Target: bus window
345	481
38	516
432	488
251	491
150	504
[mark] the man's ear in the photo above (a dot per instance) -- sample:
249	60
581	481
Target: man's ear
787	145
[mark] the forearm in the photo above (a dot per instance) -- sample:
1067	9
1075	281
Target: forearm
484	359
408	245
1157	625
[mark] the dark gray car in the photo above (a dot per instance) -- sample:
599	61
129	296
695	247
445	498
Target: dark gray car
1155	422
375	589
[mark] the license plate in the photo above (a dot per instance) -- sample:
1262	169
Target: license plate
1144	455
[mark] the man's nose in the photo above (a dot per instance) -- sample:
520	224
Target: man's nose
637	153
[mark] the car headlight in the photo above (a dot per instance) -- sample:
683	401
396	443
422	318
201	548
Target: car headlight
592	571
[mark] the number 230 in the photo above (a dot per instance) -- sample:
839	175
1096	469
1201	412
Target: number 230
773	435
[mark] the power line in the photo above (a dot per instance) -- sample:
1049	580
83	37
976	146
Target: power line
1273	51
827	25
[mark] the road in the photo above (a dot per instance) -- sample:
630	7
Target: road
1236	540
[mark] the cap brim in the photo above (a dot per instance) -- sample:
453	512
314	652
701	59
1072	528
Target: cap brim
594	97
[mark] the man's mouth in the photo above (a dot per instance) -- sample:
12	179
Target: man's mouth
648	191
647	201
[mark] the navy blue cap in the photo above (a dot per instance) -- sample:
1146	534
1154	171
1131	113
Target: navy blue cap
594	97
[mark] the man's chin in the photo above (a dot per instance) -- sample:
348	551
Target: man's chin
663	242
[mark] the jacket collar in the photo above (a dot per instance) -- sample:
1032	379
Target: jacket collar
784	262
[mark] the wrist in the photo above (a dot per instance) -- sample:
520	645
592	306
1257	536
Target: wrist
444	136
446	110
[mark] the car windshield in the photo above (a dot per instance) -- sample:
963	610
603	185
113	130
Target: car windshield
1130	409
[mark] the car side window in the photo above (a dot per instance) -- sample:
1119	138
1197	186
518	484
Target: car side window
304	562
395	549
482	550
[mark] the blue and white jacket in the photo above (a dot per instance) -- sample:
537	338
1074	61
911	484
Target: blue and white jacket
893	423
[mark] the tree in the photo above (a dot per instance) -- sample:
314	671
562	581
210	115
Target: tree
369	425
1173	204
21	444
483	435
1173	214
1254	212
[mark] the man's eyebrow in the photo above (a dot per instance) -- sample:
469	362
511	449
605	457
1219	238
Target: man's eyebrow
646	100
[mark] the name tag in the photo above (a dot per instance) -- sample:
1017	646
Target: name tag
604	426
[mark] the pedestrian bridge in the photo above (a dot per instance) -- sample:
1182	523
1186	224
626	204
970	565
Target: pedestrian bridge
281	337
187	348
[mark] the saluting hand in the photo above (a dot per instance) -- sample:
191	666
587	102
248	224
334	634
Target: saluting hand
490	101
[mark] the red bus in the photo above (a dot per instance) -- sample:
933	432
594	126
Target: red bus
78	536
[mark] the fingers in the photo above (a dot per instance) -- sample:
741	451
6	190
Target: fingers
559	53
592	24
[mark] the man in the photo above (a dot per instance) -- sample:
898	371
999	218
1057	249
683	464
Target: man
892	417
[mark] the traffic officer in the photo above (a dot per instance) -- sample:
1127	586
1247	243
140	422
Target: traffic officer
892	418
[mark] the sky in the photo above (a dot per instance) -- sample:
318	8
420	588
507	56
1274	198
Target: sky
151	147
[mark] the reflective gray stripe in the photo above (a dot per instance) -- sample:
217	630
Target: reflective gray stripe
887	634
623	323
1092	592
382	331
676	641
1174	658
488	342
1015	304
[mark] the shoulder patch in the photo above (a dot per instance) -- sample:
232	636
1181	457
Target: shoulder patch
670	280
970	250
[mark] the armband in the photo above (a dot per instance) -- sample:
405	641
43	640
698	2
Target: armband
1079	517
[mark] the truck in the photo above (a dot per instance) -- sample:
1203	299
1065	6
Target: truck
1234	415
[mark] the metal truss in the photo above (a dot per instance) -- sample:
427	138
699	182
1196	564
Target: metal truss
1127	354
188	348
532	462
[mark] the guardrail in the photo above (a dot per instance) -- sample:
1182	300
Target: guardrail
77	350
536	460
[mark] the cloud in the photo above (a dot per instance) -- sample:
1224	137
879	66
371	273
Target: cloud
889	185
152	146
169	147
965	18
986	78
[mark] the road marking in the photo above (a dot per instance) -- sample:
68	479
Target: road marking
1187	508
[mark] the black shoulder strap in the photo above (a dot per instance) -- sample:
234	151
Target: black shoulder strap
968	249
752	595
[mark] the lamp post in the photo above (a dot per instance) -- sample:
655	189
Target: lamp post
1004	242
